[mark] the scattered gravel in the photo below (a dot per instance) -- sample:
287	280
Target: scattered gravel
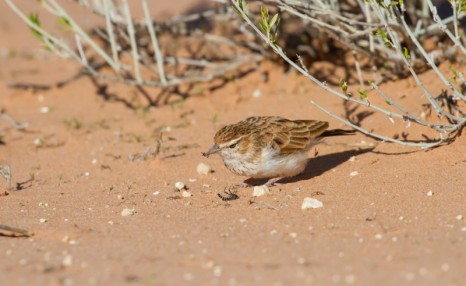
260	191
128	212
311	203
203	169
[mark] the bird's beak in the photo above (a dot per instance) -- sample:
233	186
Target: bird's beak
212	150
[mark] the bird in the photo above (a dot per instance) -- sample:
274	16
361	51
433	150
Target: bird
269	147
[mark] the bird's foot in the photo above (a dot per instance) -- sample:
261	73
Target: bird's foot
273	182
242	185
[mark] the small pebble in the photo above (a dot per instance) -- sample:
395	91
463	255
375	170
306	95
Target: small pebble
44	109
156	193
430	193
186	194
445	267
179	186
203	169
217	270
67	260
128	212
463	228
260	191
192	180
257	93
350	279
43	220
354	173
459	217
352	159
311	203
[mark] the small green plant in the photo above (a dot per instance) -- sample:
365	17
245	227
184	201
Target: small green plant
36	23
269	26
214	118
74	123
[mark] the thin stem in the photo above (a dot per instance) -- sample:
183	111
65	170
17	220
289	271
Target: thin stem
111	35
132	37
157	54
83	34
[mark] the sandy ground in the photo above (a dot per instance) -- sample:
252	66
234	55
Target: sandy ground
391	215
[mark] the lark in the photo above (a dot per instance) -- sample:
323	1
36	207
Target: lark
269	147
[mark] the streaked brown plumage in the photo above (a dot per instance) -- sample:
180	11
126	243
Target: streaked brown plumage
269	146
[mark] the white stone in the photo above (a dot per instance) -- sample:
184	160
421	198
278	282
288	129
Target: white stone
179	186
354	173
67	260
217	270
156	193
260	191
311	203
43	220
186	194
257	93
430	193
128	212
459	217
44	109
203	169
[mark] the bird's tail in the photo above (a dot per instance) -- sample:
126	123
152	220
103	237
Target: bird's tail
337	132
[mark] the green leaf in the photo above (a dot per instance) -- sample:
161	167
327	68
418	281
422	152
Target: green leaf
274	19
454	72
381	4
343	86
362	93
265	14
65	21
406	53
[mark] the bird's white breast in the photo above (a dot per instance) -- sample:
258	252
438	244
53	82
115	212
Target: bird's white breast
269	164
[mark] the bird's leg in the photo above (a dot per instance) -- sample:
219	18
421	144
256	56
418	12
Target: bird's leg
273	182
242	185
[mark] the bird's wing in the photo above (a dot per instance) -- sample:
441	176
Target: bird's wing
295	135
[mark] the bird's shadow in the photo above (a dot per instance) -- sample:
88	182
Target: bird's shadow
315	166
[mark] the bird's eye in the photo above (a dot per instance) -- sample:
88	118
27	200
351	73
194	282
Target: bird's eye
233	145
